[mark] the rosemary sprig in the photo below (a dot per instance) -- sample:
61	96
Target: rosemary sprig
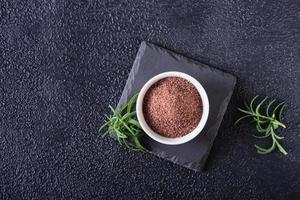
123	124
266	122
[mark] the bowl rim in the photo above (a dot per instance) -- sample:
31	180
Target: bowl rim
160	138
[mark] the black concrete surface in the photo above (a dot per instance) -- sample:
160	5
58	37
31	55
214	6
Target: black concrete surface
63	62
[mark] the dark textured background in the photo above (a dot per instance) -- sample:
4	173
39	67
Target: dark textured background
63	62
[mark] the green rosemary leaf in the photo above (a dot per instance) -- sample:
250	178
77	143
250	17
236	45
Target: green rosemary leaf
269	106
105	134
136	129
123	107
278	137
112	109
138	144
259	105
263	136
281	149
131	102
120	134
280	112
246	105
127	127
134	122
103	126
251	103
260	129
126	144
259	120
245	111
277	107
241	118
265	151
128	115
116	123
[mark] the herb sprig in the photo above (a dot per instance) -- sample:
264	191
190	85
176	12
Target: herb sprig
266	122
123	124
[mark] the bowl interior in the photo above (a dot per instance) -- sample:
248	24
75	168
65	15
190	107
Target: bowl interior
158	137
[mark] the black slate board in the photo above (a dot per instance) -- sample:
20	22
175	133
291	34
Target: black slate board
152	60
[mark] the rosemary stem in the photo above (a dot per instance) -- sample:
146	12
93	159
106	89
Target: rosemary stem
263	119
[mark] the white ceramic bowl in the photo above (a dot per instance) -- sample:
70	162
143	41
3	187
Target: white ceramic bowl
156	136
